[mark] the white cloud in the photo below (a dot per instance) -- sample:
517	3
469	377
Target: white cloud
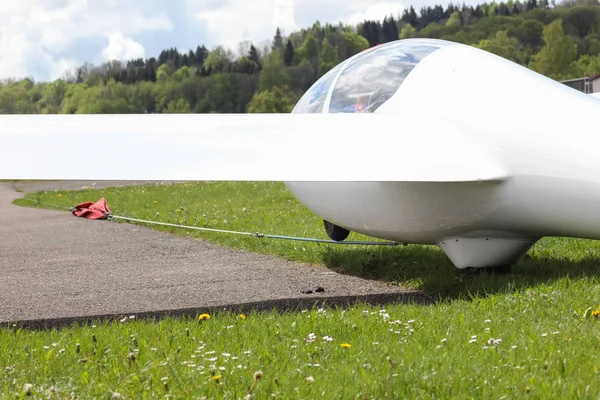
34	34
375	11
233	21
122	48
45	38
58	67
13	50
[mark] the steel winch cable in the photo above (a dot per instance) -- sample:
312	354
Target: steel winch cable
110	216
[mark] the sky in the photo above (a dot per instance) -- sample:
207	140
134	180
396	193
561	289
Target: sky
43	39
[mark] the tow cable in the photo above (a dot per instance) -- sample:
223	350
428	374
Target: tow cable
109	216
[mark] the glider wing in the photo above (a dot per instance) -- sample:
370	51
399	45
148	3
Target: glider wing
239	147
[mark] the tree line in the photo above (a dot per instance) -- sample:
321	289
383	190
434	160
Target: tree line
559	41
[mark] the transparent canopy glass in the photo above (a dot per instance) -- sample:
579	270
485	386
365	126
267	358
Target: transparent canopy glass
366	81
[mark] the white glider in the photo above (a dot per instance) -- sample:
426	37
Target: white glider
447	145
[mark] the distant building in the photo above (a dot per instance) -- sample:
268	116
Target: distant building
595	83
586	84
581	84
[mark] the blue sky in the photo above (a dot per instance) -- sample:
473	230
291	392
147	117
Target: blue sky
45	38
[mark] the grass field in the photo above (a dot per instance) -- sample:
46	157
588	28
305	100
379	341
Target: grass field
531	333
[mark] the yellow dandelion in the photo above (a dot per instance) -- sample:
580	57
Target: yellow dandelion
178	210
216	377
345	345
59	195
595	313
241	316
202	317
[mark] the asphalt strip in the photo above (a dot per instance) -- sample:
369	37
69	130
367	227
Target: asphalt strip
58	269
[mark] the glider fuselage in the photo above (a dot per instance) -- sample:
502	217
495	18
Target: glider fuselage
531	144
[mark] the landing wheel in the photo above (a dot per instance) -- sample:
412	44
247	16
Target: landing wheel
335	232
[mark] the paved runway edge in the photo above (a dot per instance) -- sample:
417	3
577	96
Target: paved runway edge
282	306
50	282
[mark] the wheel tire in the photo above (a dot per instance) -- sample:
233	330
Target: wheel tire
335	232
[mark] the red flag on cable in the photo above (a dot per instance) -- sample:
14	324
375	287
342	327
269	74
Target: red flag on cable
90	210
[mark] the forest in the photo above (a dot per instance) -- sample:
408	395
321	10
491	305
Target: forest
561	41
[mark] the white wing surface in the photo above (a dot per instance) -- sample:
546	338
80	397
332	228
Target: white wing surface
239	147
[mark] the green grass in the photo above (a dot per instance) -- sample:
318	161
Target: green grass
542	312
547	350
